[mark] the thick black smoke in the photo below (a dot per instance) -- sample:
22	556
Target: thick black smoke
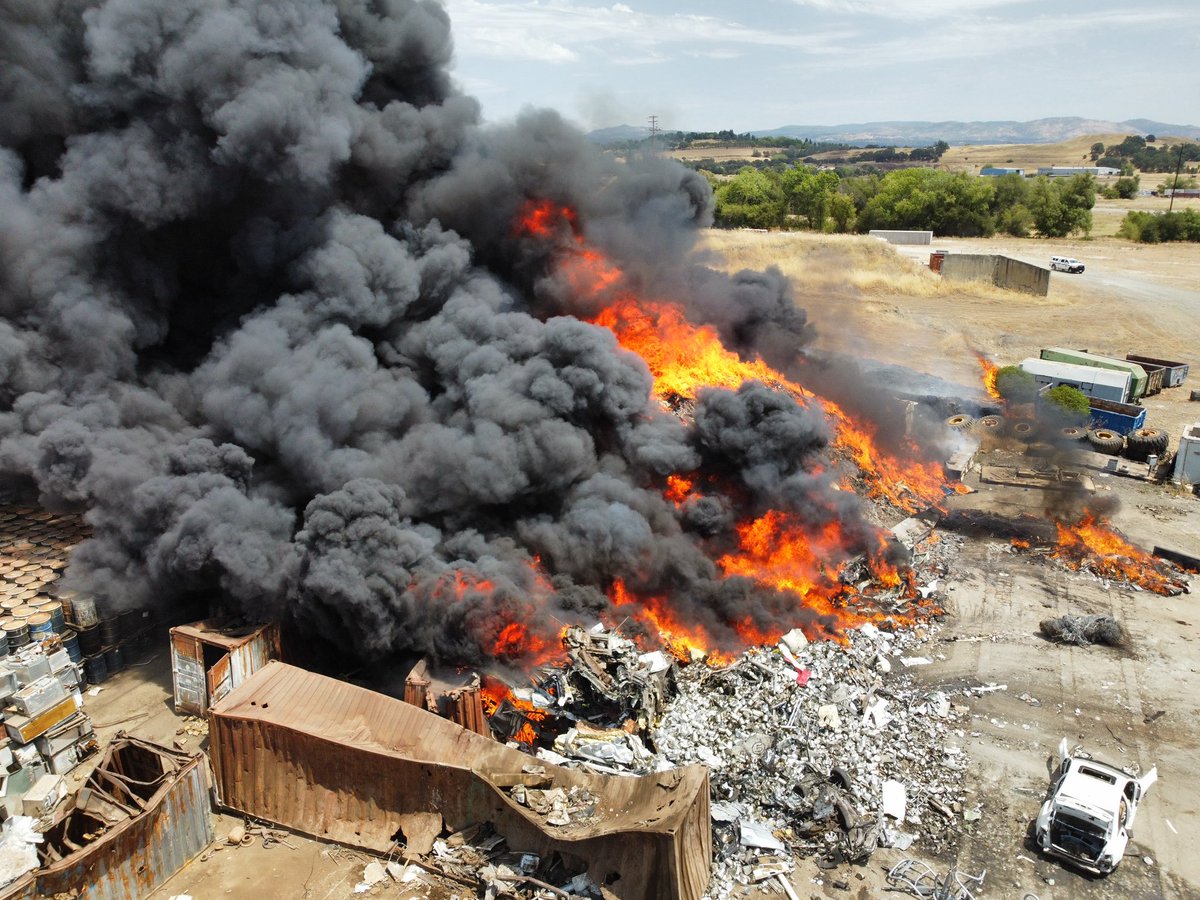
267	318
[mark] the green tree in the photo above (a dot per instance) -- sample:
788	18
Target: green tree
808	193
1063	206
751	199
1016	385
842	213
1127	188
1069	403
946	203
1097	150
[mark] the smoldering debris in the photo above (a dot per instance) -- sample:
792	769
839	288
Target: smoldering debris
1085	630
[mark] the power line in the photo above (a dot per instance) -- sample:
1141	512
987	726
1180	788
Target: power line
654	133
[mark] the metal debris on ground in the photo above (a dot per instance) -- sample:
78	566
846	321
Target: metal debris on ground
920	879
479	857
816	766
1085	630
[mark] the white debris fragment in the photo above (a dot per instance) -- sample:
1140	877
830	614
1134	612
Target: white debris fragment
916	661
876	713
794	641
894	799
373	873
828	717
755	834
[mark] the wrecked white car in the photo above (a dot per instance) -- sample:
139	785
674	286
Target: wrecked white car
1087	818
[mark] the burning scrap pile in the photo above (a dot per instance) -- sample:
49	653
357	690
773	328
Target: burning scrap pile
1092	545
338	353
593	705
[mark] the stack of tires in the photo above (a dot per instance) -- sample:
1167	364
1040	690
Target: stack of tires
1144	443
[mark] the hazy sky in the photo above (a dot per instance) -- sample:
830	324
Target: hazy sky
758	64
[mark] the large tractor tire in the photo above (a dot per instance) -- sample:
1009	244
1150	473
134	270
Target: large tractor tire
960	422
1024	430
1105	441
1071	433
992	424
1144	442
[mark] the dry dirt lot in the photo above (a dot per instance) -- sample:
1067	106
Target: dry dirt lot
1137	705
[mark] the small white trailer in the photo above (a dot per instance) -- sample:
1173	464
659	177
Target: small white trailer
1104	384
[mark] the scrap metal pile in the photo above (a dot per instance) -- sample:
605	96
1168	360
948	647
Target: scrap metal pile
815	749
831	752
606	692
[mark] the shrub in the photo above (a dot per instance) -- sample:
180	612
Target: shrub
1068	402
1016	385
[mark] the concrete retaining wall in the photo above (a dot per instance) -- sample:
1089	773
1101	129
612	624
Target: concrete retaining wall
903	237
1001	271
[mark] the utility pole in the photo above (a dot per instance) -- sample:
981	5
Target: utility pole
1175	187
654	132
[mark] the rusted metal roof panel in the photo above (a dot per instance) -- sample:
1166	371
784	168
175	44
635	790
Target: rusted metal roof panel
343	763
154	803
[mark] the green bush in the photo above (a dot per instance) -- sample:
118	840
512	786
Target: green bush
1016	385
1152	228
1069	402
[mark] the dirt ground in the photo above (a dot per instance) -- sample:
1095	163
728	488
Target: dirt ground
1137	705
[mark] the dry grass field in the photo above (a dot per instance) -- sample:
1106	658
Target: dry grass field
966	158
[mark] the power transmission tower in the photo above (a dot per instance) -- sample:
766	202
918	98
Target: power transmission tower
654	133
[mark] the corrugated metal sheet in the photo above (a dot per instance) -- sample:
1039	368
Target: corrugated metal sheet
346	764
154	802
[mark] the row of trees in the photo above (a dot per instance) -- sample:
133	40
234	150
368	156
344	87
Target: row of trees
947	203
1135	152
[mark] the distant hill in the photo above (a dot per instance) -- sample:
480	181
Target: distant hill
617	133
922	134
1038	131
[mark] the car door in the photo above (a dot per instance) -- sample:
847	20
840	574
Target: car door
1135	791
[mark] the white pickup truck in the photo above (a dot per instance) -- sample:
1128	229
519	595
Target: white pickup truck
1066	264
1087	818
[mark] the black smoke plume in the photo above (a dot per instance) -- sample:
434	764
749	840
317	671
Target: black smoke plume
267	320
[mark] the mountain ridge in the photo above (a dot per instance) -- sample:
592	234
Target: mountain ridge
923	133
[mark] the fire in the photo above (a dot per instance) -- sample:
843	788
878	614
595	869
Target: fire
778	550
990	371
775	550
495	693
684	642
1091	543
678	488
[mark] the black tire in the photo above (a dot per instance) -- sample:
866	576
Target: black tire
1144	442
1071	433
960	422
1024	430
993	424
1105	441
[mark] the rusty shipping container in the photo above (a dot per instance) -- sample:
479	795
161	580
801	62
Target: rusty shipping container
150	806
342	763
211	658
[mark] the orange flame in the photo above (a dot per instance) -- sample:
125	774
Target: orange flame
990	371
1091	543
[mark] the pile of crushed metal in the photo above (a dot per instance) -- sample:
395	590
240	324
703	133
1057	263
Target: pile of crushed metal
815	749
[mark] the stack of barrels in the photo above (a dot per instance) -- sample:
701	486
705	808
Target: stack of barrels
34	546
